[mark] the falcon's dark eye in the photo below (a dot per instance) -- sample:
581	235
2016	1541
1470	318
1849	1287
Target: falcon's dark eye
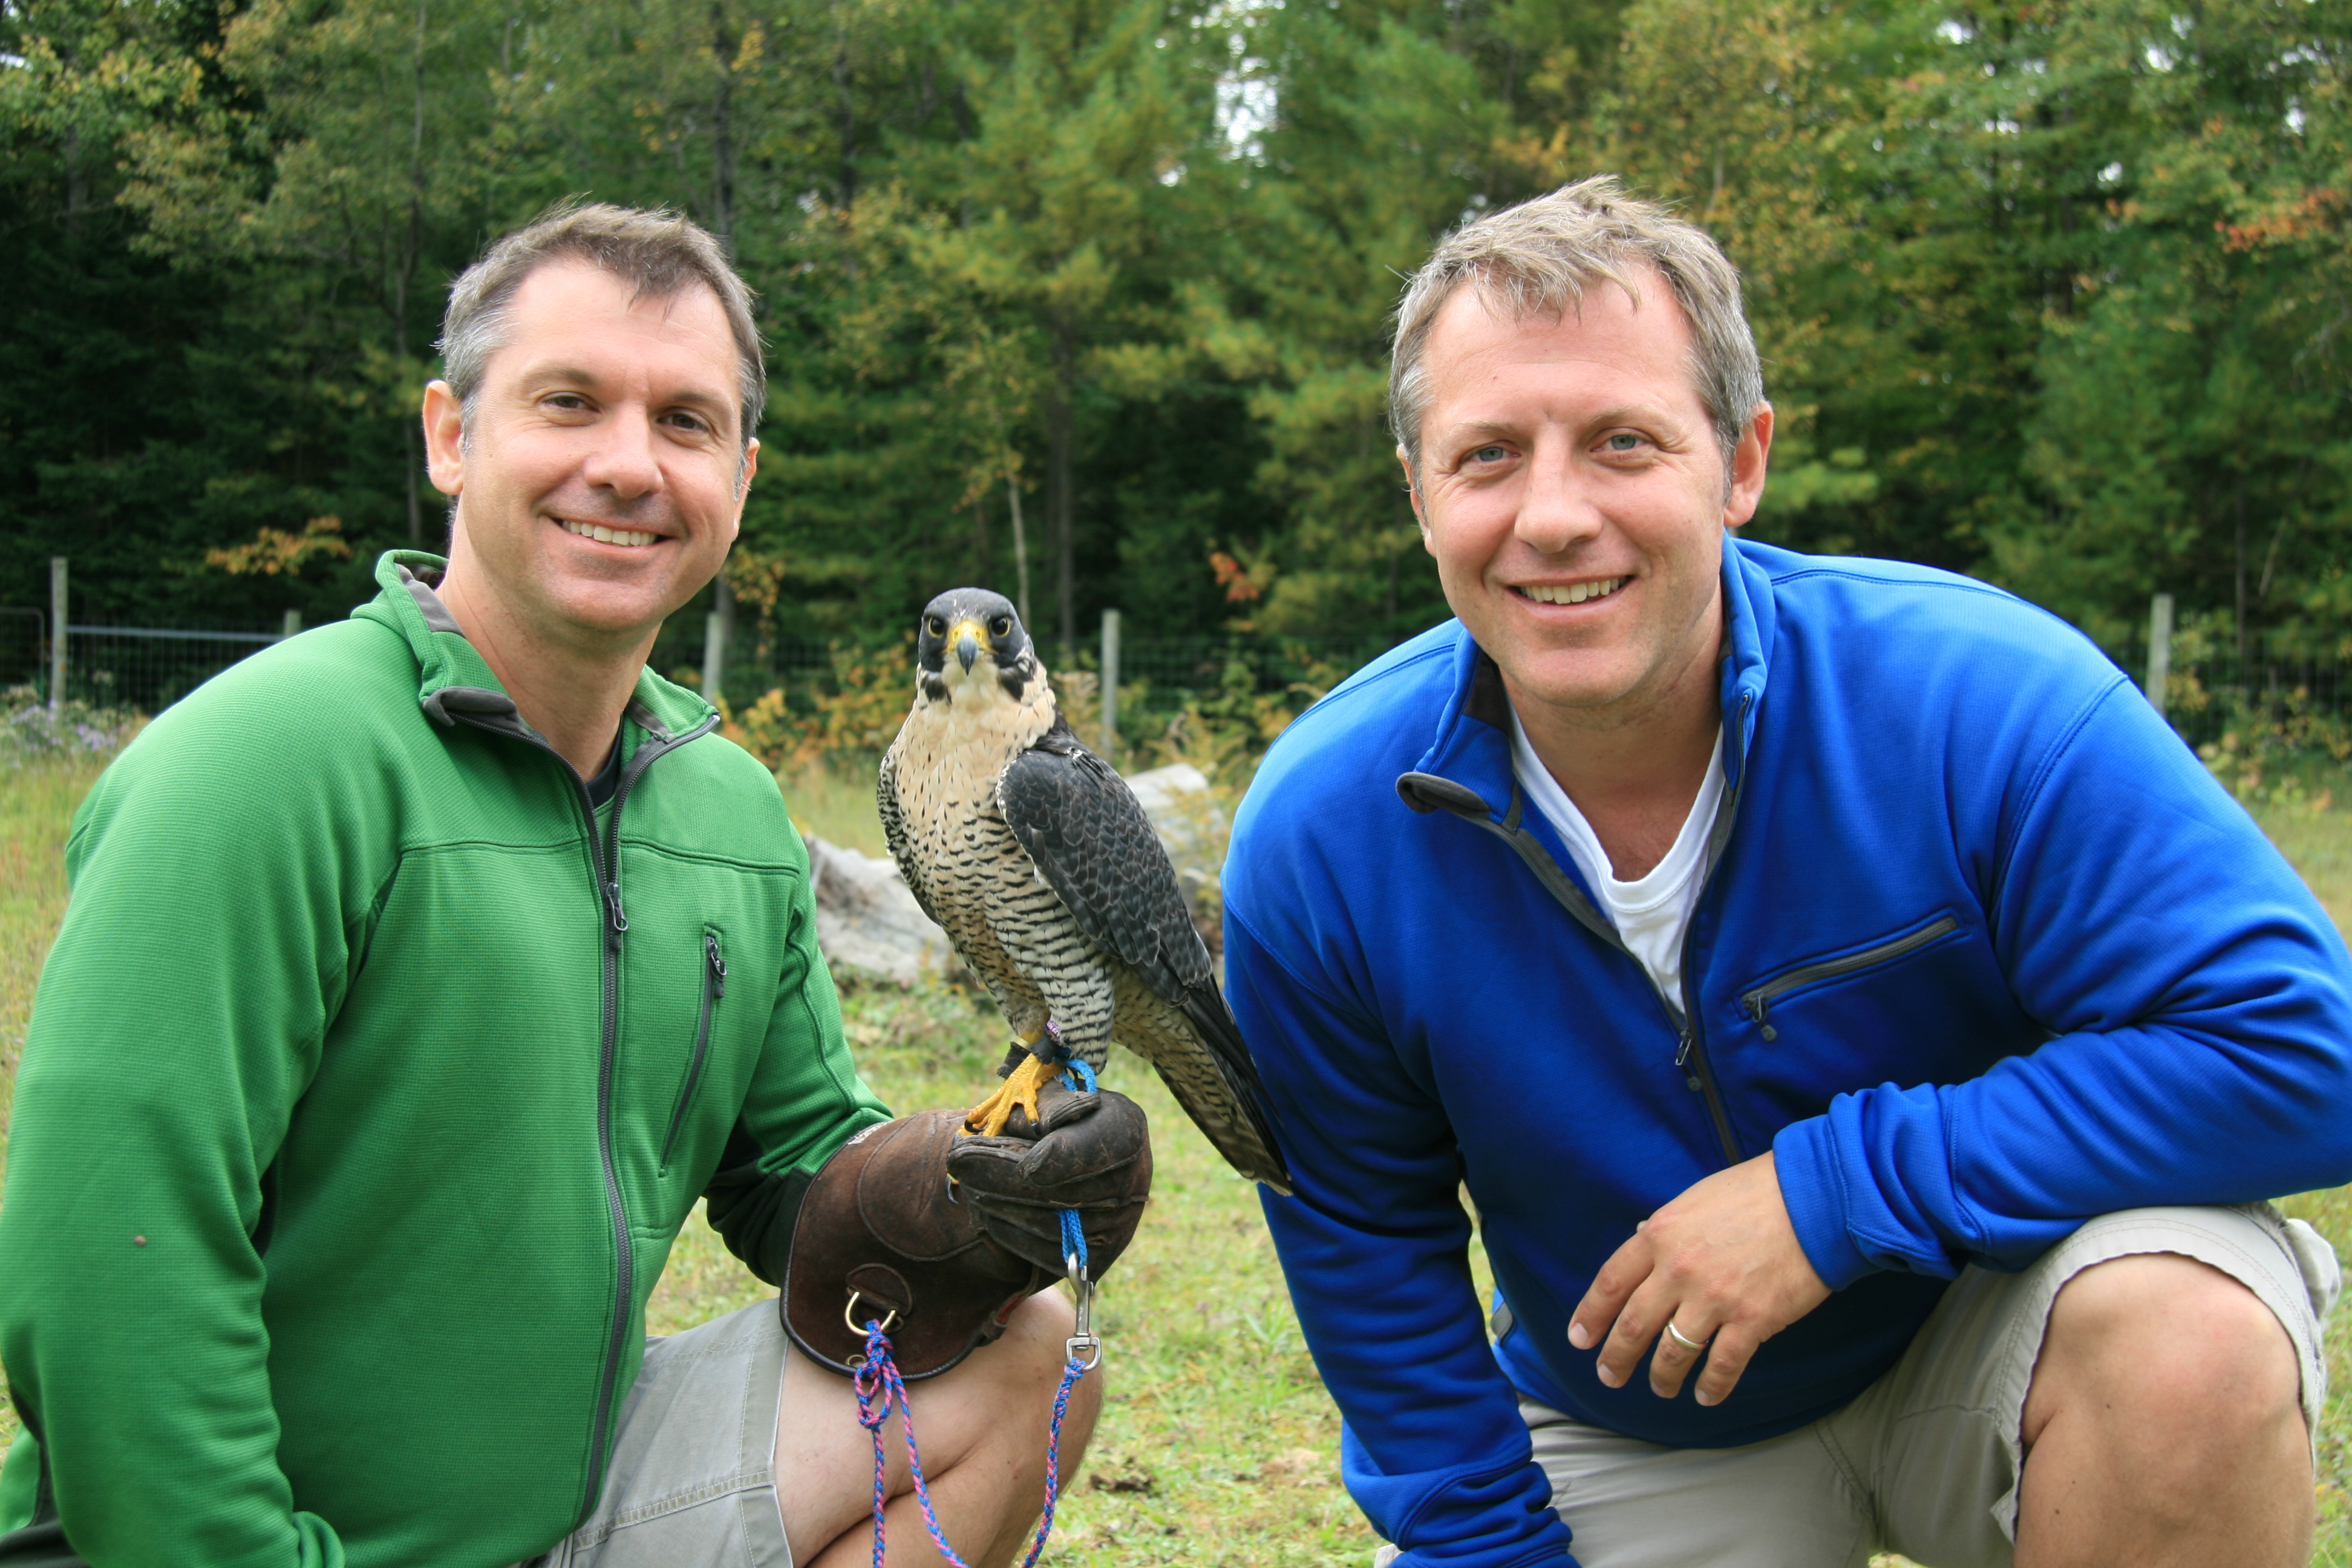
1001	627
936	626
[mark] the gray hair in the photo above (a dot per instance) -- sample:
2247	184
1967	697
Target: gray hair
1540	257
659	252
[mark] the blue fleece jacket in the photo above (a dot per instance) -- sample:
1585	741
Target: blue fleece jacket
1982	952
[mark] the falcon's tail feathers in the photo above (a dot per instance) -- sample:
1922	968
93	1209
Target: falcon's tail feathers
1243	1133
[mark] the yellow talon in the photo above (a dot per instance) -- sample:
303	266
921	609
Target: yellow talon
987	1119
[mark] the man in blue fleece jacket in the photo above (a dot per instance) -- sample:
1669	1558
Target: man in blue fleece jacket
1866	1033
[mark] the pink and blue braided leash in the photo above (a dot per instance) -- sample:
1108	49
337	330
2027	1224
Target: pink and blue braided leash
879	1388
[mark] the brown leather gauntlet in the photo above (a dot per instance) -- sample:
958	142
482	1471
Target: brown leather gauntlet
883	1235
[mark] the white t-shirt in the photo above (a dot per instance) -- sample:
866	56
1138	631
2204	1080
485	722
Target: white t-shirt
1651	914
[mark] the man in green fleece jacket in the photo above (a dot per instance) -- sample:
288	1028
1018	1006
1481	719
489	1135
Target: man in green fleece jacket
420	974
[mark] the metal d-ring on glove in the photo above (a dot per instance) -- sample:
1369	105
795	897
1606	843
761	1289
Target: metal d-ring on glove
883	1229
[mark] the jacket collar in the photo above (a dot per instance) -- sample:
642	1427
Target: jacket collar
453	681
1471	747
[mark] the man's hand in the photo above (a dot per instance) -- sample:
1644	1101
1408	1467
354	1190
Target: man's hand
1092	1153
1722	1264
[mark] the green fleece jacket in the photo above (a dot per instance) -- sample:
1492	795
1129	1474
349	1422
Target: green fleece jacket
368	1085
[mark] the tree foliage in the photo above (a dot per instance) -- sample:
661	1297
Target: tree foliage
2055	290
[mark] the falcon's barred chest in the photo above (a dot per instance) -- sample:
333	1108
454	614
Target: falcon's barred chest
943	770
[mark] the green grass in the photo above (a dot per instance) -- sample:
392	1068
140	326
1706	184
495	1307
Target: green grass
837	806
36	807
1217	1444
2320	845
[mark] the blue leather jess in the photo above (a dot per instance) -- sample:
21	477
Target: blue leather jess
1983	950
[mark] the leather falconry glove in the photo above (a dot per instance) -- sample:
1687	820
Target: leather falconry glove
884	1235
1093	1153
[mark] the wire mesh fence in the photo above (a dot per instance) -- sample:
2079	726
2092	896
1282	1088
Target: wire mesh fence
1156	674
1165	672
148	669
2288	688
141	670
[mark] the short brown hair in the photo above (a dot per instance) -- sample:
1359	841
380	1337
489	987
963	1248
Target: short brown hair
1538	258
660	252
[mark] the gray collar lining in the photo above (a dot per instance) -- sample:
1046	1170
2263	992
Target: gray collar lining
428	603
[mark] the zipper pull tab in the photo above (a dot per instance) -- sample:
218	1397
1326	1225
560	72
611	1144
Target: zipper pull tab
616	919
1682	1061
1755	1004
717	966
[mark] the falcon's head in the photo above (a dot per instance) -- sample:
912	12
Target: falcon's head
971	640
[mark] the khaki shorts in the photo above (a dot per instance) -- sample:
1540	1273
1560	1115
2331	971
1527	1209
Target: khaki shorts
1926	1461
693	1475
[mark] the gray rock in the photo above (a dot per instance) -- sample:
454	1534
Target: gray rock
1183	811
1161	788
868	923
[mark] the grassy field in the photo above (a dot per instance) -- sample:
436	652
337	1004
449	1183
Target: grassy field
2320	845
1218	1445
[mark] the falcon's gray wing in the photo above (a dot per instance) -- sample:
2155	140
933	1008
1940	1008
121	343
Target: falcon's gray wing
1091	841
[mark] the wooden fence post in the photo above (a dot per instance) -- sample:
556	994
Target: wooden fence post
2159	648
1020	561
57	621
1110	682
717	632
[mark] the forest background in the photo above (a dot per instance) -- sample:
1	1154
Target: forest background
2054	292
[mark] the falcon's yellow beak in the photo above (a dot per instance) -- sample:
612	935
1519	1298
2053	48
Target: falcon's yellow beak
968	637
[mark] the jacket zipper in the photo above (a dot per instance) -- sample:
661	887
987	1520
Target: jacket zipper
1698	1072
1757	1003
714	986
1690	1054
1690	1050
604	869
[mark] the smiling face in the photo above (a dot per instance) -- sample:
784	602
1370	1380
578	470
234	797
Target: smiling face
1573	494
600	475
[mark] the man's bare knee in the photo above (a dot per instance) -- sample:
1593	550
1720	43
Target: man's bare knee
1030	1347
1010	1382
984	1430
1027	1362
1048	1313
2163	1424
2177	1355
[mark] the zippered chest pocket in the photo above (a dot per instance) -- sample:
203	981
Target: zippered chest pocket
713	986
1757	1000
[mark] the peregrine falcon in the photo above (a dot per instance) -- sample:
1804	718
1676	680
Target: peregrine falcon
1033	856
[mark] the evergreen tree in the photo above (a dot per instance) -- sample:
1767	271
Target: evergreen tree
2056	294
